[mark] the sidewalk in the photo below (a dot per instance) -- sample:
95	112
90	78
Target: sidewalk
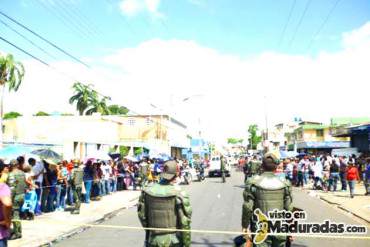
45	228
358	206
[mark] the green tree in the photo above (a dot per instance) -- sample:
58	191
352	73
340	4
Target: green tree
87	100
11	115
232	140
117	110
123	150
11	76
254	139
41	113
138	150
98	105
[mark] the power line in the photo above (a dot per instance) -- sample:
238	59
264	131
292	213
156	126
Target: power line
47	64
45	40
83	18
323	24
64	19
300	22
287	22
25	38
72	17
26	52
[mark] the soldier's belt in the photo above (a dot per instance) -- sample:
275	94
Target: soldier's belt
234	233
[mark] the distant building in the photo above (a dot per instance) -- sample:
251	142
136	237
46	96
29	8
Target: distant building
358	134
78	136
313	137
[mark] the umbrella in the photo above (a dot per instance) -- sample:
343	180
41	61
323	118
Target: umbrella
12	152
47	154
115	156
131	158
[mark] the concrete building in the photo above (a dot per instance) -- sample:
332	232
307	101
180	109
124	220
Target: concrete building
79	136
315	137
358	134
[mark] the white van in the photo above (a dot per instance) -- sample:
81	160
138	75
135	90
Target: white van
215	167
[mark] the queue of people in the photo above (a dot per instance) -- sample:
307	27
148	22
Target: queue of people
325	172
43	186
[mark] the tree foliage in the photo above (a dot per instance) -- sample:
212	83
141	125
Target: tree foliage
232	140
41	113
11	115
11	72
254	139
88	100
117	110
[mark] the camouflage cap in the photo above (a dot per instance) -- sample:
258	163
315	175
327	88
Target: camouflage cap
169	170
271	156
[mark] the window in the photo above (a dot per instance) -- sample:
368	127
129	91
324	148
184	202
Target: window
320	133
131	121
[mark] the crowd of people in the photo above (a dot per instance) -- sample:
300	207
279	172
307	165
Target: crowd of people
323	172
35	187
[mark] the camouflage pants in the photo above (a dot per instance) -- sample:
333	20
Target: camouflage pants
18	201
164	240
77	195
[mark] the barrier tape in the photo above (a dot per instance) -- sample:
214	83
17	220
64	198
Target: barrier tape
234	233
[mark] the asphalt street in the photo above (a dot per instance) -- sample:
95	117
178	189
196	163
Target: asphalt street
216	206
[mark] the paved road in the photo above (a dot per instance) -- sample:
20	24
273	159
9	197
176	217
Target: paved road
216	206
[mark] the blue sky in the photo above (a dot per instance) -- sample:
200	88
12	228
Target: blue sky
240	27
161	51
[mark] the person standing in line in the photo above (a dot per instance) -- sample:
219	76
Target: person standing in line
366	176
88	179
342	172
38	171
352	177
76	185
317	169
5	210
334	175
289	170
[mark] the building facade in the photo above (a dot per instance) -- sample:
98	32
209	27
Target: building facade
78	136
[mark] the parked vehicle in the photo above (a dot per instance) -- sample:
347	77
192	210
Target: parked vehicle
215	167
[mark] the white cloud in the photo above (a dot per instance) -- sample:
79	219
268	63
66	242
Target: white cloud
233	88
134	7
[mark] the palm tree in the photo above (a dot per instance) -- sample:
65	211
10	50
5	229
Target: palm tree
100	106
83	96
11	76
88	100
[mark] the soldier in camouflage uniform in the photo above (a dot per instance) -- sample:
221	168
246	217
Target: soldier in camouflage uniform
223	172
266	192
254	166
165	205
17	183
76	183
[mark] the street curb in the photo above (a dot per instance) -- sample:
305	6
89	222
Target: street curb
77	230
340	207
